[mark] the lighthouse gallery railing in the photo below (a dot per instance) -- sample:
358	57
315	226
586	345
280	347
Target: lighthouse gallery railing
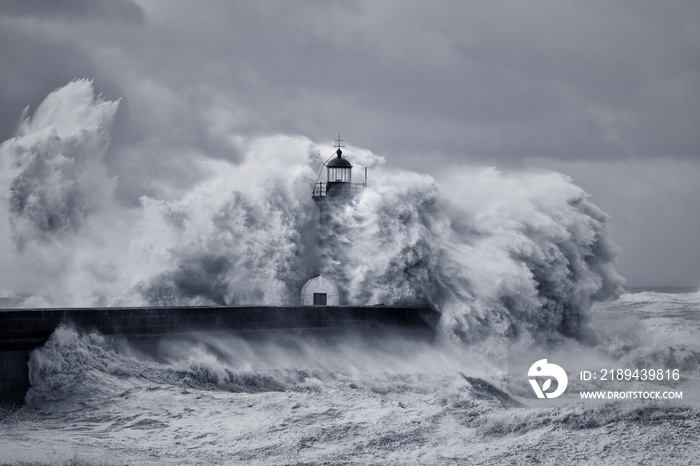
335	189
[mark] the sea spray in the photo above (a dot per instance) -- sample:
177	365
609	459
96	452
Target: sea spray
507	257
504	255
53	169
56	199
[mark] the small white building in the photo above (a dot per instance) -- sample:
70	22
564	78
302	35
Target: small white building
319	291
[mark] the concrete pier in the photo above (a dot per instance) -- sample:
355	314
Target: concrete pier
23	330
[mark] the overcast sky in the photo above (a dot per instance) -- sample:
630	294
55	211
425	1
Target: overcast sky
607	92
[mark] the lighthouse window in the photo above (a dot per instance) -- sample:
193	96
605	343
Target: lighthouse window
339	174
320	299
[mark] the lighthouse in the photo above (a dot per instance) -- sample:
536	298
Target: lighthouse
337	190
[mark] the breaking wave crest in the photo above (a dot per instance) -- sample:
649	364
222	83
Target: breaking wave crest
76	365
73	365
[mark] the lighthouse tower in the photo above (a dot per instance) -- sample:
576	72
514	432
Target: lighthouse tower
337	190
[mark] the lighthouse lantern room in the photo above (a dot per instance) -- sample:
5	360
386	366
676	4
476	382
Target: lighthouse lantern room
339	169
338	184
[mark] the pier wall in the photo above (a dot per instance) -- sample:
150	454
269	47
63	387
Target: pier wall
23	330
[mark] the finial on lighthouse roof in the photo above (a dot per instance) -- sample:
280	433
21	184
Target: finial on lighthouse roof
339	144
339	161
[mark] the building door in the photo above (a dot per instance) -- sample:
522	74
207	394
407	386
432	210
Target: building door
320	299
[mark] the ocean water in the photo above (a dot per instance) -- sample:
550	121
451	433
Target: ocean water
222	400
519	264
